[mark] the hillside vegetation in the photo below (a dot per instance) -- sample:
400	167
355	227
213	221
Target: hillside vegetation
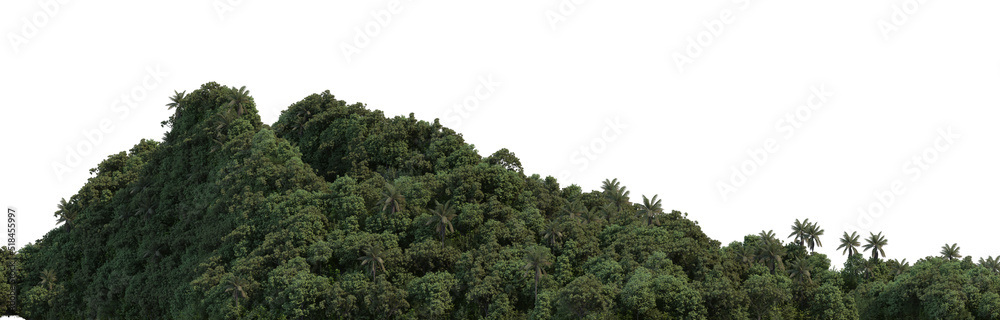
338	212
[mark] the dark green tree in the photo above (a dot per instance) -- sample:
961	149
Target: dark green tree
850	243
876	244
442	216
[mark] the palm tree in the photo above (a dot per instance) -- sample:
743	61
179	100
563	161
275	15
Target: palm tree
48	278
898	267
767	235
392	199
813	231
65	213
770	251
373	258
875	243
442	216
868	266
237	287
552	233
850	243
651	209
575	210
799	270
218	133
950	252
237	98
536	260
991	263
616	194
175	101
799	232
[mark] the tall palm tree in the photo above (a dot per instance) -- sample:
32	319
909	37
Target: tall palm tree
770	251
651	209
799	232
392	199
237	287
66	213
552	233
813	231
441	218
875	243
237	99
950	252
48	278
850	243
373	258
991	263
799	270
175	101
536	260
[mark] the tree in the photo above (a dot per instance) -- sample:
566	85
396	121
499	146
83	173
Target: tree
799	232
584	296
950	252
552	233
237	99
615	194
441	218
66	213
575	210
48	279
991	263
651	209
799	270
175	101
875	243
898	267
505	159
238	287
767	293
373	258
536	259
770	251
850	243
392	199
813	231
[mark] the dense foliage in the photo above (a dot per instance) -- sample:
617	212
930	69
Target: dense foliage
336	211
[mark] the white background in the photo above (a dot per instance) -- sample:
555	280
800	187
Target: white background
562	71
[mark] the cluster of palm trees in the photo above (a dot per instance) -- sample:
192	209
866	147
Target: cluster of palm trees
875	242
806	234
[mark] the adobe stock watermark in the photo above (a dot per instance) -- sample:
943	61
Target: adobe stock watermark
713	29
912	168
899	15
12	247
485	89
224	7
562	11
364	34
123	106
32	24
584	154
785	128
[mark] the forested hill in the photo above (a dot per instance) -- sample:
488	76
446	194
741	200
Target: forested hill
337	212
